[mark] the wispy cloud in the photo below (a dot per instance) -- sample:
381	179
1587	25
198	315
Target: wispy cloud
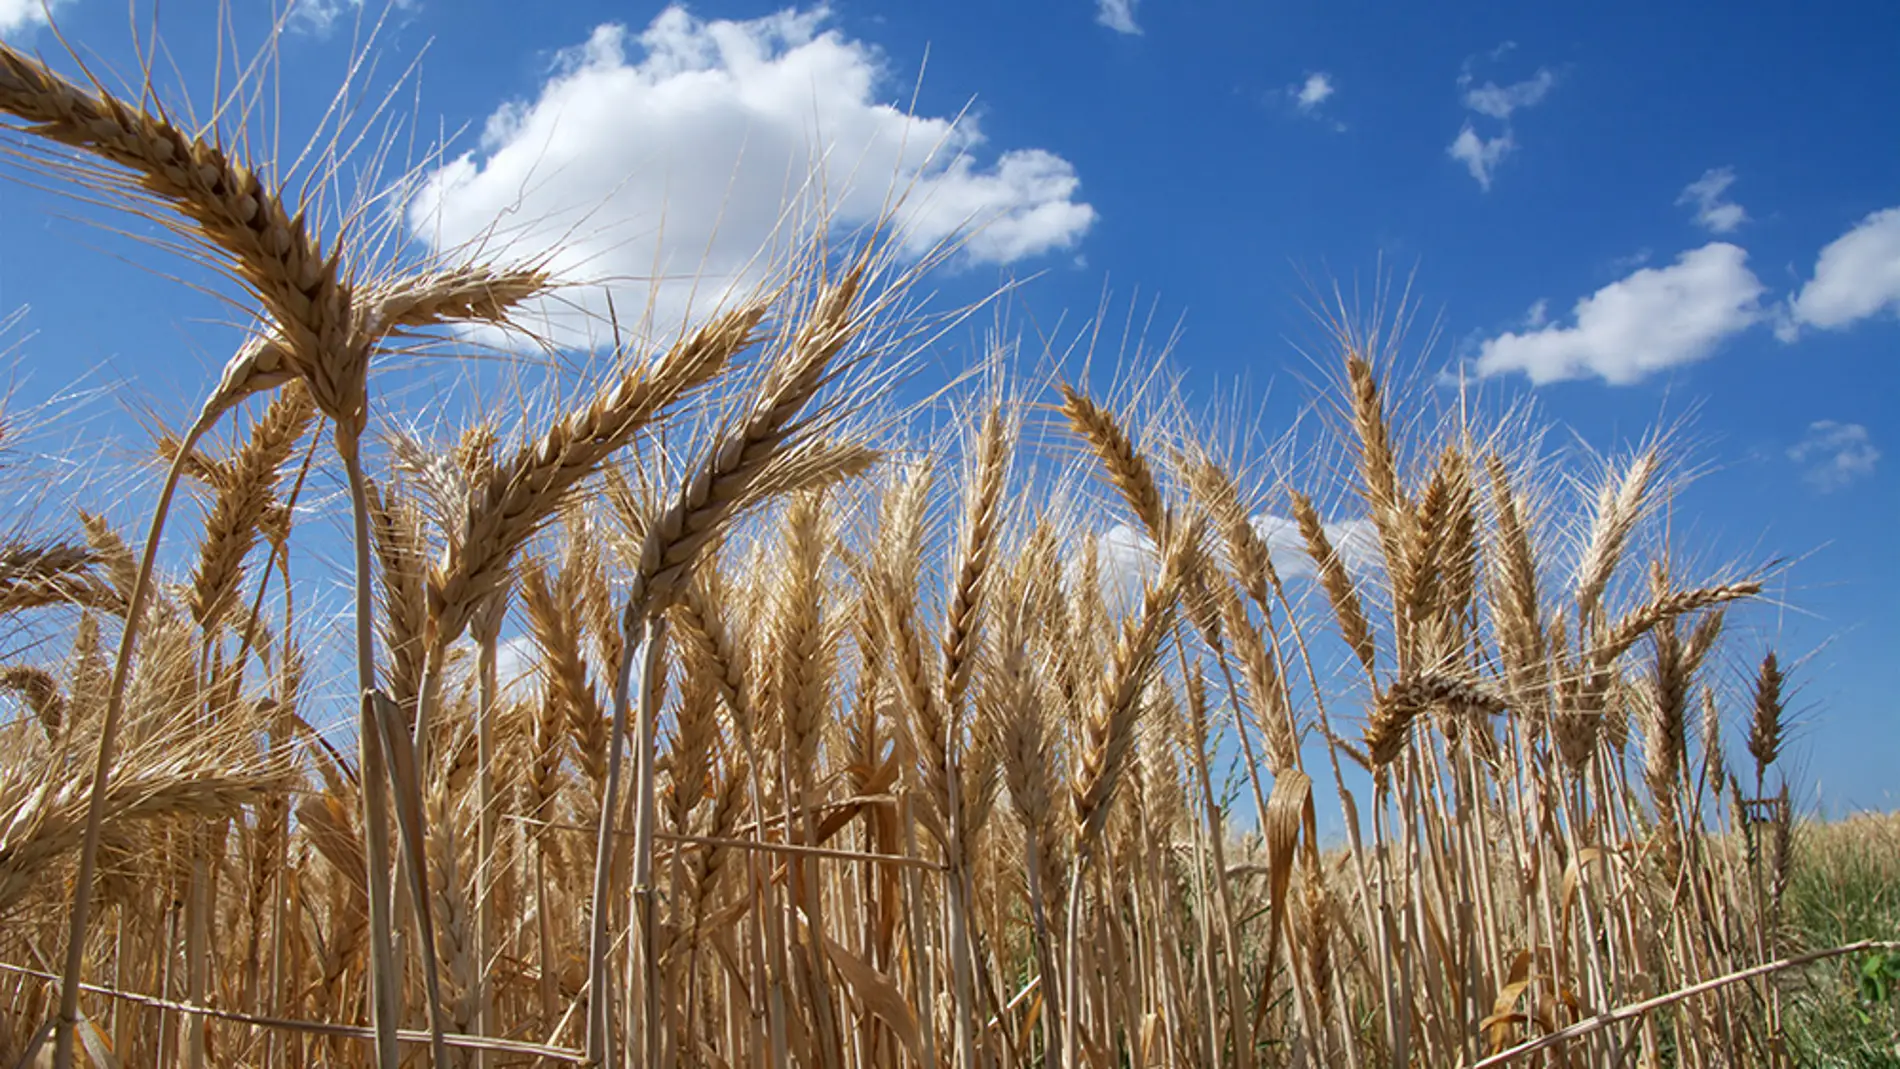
1835	455
1856	277
1714	212
1481	154
1118	15
1499	101
671	153
1652	319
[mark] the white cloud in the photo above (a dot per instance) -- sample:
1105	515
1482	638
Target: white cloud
1481	156
19	14
1118	15
653	158
1835	454
1313	92
1538	315
1652	319
1500	101
1856	277
1714	212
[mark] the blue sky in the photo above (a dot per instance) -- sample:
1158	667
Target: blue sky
1627	211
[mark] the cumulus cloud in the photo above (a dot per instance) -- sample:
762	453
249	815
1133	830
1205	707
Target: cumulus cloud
1714	212
1480	155
1652	319
663	160
1857	277
1835	455
1118	15
17	15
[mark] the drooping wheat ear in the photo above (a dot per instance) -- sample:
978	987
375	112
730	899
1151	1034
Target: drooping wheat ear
241	222
40	691
742	453
1765	727
1109	729
1408	699
977	542
34	574
45	822
525	492
401	551
1247	553
1340	592
245	494
553	620
1638	622
1619	507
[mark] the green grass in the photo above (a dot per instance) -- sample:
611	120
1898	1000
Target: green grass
1845	887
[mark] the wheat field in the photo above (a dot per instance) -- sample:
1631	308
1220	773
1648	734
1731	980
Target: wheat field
718	715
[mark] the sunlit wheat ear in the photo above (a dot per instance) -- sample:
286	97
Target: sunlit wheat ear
122	568
1128	471
468	293
1378	462
1348	610
241	224
527	489
402	553
37	574
247	491
1108	730
975	555
553	620
1633	625
42	694
1620	504
1247	553
1765	727
744	451
1405	701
